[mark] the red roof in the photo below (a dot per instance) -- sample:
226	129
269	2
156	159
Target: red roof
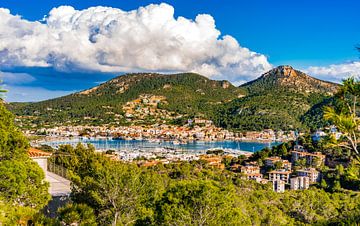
35	153
280	172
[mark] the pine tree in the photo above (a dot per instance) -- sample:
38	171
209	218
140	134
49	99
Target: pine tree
23	191
323	184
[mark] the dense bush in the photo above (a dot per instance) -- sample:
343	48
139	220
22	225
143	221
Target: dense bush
192	193
23	191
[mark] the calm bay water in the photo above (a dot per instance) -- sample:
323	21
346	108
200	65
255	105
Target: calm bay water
107	144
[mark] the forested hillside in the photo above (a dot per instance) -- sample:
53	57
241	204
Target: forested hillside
279	99
187	94
107	192
282	98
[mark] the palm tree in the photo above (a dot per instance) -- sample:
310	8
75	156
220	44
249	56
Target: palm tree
345	117
348	93
348	125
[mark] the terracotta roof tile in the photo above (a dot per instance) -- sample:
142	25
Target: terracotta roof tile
35	153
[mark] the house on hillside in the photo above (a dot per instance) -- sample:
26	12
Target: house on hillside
310	157
278	186
283	175
251	172
313	174
270	162
213	161
299	183
40	157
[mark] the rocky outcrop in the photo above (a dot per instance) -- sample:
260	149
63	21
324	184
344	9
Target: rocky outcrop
285	77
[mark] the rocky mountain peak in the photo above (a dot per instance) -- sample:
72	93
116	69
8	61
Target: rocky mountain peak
282	71
287	78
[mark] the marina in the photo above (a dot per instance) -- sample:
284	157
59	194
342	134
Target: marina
191	146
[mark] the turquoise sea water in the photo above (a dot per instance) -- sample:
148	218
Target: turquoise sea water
107	144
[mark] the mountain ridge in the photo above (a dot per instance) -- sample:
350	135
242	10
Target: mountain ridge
178	95
277	99
123	81
287	77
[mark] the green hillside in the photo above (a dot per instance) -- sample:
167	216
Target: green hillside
279	99
186	94
282	98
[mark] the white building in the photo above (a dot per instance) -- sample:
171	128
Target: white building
299	183
279	175
278	185
270	161
313	174
40	157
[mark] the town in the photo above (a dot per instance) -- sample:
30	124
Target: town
297	173
197	129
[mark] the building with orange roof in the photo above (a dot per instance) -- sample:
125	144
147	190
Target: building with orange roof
40	157
236	168
279	175
214	161
310	157
313	174
251	172
250	169
150	163
270	161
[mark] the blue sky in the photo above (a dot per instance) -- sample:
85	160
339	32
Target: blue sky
316	36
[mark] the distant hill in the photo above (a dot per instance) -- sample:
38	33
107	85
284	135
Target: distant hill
179	95
283	98
278	99
285	78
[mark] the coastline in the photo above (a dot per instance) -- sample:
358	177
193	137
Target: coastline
64	138
102	144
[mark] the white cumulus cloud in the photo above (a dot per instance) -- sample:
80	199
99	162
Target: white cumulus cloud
112	40
335	72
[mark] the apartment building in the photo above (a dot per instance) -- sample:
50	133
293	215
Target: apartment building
299	183
278	186
299	153
270	162
251	172
313	174
283	175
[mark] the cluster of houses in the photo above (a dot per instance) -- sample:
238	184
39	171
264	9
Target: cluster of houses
269	135
281	173
148	106
195	129
206	132
138	111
